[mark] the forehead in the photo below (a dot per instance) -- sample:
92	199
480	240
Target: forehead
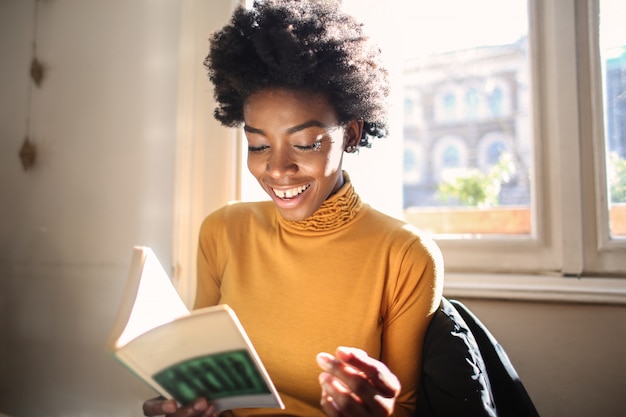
287	107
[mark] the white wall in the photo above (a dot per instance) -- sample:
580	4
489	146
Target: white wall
570	357
104	123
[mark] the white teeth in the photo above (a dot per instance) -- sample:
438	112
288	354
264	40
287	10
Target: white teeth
292	192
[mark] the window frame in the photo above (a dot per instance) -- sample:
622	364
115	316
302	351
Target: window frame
542	251
603	255
570	236
205	150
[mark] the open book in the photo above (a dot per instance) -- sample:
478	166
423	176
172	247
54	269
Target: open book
181	354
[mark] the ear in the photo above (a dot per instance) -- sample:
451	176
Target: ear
352	134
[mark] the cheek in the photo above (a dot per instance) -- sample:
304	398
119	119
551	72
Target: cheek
323	164
320	165
333	160
255	165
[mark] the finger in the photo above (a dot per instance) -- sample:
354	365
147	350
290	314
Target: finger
349	389
358	376
199	408
327	403
339	399
377	372
158	406
352	377
209	411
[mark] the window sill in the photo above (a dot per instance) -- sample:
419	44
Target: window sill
536	288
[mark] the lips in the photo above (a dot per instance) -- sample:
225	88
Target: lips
289	193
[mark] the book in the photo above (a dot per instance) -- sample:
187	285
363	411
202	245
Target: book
186	354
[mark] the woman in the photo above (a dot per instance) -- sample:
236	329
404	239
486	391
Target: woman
315	270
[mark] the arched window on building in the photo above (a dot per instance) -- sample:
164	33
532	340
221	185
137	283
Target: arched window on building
490	148
496	102
413	162
494	151
450	157
448	106
472	103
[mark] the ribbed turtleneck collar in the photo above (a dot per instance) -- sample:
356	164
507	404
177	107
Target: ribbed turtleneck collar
336	211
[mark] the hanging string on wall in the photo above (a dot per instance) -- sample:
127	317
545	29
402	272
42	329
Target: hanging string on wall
28	151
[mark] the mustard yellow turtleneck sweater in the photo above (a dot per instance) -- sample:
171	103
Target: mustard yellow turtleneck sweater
348	275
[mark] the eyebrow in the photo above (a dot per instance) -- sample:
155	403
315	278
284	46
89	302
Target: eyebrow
291	130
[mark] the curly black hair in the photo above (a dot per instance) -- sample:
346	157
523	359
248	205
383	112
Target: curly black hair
304	46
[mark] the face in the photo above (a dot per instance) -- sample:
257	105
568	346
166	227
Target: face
295	148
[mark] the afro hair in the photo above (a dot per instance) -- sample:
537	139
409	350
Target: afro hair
302	46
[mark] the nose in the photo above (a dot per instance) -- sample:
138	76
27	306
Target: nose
281	163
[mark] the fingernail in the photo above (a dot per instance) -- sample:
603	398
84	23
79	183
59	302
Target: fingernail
210	412
169	407
324	378
324	360
356	352
200	404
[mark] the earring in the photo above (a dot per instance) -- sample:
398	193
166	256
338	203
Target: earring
350	148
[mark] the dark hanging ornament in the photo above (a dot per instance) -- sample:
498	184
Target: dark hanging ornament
36	71
27	154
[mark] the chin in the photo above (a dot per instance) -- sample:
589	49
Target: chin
293	216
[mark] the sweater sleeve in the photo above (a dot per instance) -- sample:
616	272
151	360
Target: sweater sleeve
210	261
412	299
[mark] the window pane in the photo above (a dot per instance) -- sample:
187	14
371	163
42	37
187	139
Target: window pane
613	58
467	78
466	119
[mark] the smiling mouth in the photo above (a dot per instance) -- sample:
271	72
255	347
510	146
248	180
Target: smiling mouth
290	193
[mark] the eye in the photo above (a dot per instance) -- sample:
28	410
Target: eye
257	148
315	146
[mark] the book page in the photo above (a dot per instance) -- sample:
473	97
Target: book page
156	301
204	331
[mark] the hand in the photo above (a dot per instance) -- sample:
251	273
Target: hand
354	384
159	406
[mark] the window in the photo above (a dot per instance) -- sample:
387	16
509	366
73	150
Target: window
494	152
612	41
602	36
448	106
507	85
528	89
495	102
413	162
472	103
450	157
